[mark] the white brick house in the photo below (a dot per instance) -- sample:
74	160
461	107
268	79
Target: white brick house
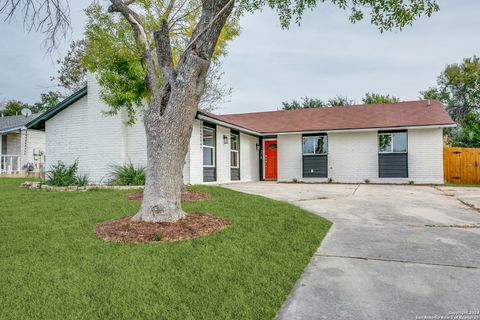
389	143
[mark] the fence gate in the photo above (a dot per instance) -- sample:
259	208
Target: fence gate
461	165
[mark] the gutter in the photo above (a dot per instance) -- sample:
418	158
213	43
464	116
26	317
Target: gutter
228	125
264	134
59	107
433	126
12	129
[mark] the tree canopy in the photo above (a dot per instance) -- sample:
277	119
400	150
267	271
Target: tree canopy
306	102
371	98
458	88
112	53
47	100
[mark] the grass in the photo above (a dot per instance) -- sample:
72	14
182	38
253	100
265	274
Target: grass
462	185
53	267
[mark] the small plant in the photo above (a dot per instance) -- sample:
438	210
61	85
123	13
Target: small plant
330	180
367	181
127	175
411	182
158	237
62	175
82	180
295	180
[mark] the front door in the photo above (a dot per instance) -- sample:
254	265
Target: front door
270	148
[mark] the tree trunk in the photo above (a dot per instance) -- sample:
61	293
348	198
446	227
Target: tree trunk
172	110
168	137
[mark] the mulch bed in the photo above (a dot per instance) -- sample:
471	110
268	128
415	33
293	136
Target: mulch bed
188	196
192	226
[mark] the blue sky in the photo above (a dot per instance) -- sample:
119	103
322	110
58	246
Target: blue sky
324	57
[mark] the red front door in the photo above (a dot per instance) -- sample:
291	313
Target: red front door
270	148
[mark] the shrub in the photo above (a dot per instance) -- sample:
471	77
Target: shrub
62	175
330	180
127	175
367	181
82	180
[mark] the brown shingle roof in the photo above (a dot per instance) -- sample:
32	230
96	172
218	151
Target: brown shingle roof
402	114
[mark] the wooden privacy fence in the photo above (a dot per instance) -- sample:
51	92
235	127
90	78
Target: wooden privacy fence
461	165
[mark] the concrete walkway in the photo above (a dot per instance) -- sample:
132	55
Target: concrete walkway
394	252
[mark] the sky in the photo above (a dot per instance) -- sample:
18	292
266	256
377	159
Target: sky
323	57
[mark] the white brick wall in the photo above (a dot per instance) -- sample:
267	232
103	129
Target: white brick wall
223	155
35	141
425	155
353	157
105	136
289	157
195	155
249	158
66	136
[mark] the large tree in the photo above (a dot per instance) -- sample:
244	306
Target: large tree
458	88
175	85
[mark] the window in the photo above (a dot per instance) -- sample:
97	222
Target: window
208	147
395	142
315	145
234	147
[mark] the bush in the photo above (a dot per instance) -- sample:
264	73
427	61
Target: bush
82	180
62	175
127	175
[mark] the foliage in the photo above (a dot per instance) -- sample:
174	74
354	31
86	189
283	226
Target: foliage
112	52
340	101
249	268
458	88
386	15
304	103
63	175
72	74
127	175
372	98
466	135
307	103
13	107
47	101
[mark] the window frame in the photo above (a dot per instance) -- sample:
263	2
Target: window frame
324	137
391	142
214	162
235	151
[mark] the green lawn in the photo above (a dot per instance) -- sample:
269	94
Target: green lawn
53	267
462	185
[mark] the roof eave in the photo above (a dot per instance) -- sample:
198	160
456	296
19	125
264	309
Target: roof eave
7	130
427	126
59	107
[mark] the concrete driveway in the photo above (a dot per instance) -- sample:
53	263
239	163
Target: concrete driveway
394	252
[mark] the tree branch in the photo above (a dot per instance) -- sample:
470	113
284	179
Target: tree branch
50	17
136	22
164	52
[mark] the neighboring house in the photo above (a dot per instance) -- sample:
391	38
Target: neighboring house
21	149
389	143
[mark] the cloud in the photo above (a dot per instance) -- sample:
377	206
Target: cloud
323	57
